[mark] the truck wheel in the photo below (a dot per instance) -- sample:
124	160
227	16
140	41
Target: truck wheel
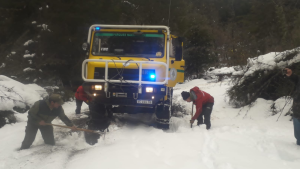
91	138
98	120
163	112
162	116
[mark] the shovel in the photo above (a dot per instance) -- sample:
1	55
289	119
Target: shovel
79	129
192	114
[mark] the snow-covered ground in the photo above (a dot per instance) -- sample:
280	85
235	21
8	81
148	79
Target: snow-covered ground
239	139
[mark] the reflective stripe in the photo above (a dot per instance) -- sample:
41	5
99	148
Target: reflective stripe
202	93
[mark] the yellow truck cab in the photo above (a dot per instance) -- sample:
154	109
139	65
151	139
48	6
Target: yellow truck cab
131	69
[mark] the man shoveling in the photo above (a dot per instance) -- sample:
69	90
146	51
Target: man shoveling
204	104
41	114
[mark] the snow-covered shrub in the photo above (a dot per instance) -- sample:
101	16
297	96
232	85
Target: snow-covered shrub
16	97
264	78
178	110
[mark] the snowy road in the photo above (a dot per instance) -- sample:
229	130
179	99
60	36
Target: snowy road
245	139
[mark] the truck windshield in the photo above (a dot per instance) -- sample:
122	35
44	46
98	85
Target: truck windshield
128	44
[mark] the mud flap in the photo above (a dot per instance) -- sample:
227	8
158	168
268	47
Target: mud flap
162	117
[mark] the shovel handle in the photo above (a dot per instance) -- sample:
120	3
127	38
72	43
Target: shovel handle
80	129
192	114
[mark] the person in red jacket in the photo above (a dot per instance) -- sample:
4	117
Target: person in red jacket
81	96
204	104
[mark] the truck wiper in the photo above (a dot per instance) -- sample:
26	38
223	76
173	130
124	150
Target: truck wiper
147	58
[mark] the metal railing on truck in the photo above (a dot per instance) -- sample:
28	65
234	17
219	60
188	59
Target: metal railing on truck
106	80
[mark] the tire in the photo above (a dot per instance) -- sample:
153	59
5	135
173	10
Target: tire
98	120
91	138
163	112
162	117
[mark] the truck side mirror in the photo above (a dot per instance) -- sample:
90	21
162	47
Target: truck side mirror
178	49
85	46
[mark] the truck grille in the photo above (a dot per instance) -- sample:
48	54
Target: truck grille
125	74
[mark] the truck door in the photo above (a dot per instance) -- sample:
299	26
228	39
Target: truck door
176	63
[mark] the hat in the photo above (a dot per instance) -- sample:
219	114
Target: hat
56	98
185	95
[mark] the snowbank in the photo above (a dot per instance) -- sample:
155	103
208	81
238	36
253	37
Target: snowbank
16	94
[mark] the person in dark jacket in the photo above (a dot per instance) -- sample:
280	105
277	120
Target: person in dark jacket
81	96
204	104
296	103
41	113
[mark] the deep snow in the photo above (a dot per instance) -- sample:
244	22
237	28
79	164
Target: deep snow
239	139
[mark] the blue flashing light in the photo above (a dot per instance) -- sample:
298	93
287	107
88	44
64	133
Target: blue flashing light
152	76
97	28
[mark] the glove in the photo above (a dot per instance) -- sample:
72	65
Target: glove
192	121
42	123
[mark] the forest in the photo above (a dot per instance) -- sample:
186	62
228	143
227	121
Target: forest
40	40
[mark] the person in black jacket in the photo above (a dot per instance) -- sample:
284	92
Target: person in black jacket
296	103
41	113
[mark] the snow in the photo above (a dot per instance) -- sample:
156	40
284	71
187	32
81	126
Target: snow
268	61
129	3
22	94
44	26
28	42
271	61
51	87
29	55
222	71
28	69
3	65
33	22
13	53
244	138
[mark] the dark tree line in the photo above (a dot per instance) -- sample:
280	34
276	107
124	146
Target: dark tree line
217	32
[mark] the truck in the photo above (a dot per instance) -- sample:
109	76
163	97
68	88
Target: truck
131	69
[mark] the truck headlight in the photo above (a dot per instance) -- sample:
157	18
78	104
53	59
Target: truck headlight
98	87
152	76
149	89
